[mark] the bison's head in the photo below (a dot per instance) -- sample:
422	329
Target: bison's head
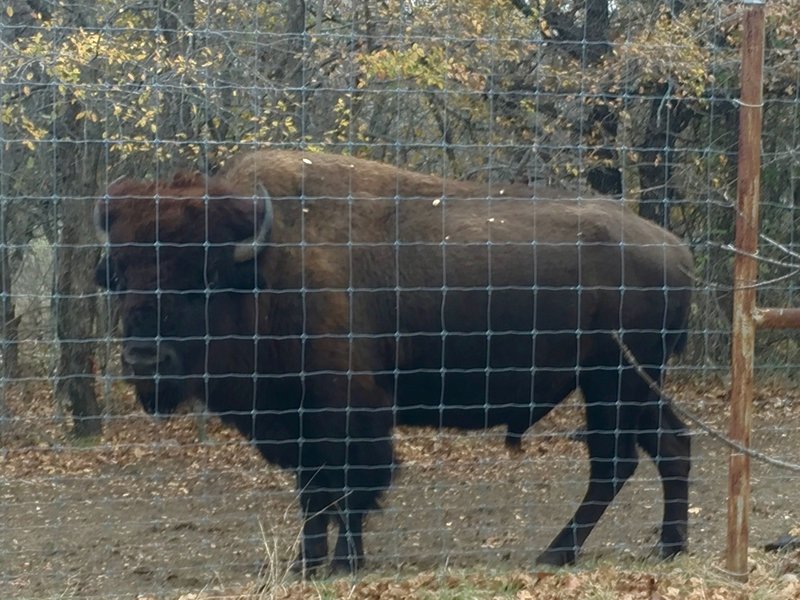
180	255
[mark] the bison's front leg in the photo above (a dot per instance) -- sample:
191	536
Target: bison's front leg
315	506
366	474
348	556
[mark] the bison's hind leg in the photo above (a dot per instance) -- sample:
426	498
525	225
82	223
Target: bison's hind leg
664	437
612	414
367	476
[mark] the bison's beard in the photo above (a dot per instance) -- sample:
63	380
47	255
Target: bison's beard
161	385
160	397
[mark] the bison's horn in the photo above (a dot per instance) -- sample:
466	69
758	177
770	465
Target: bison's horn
99	216
249	248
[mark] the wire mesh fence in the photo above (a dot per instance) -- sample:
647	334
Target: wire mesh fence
311	307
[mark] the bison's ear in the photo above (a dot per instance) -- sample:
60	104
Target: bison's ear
221	273
102	212
248	248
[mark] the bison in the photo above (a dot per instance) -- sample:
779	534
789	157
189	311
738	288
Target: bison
317	301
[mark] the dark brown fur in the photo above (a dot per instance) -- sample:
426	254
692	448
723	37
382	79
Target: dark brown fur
340	329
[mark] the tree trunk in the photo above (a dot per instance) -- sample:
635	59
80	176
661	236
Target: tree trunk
587	40
668	118
290	66
16	21
76	256
10	321
175	122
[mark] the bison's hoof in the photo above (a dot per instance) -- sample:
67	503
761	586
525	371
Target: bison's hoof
556	557
671	550
346	566
308	567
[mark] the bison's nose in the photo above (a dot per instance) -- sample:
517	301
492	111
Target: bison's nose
147	357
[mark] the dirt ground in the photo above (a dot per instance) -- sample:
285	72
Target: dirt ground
151	512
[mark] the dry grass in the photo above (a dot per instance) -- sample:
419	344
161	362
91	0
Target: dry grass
773	577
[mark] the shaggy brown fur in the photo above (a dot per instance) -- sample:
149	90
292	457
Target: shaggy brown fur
387	297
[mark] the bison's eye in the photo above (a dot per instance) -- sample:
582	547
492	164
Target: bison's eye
106	276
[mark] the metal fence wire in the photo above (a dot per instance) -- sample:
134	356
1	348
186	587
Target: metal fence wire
402	250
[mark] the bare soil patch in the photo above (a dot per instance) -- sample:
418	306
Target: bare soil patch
149	511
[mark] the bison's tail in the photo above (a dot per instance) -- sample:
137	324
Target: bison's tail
680	343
